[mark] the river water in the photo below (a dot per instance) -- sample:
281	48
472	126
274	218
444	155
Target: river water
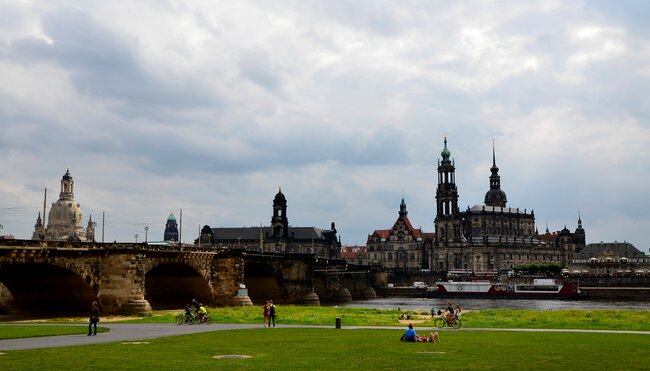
474	304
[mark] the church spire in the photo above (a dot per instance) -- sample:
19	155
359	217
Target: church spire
402	208
495	196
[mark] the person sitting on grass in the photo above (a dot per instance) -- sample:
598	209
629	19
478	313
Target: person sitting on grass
432	338
411	336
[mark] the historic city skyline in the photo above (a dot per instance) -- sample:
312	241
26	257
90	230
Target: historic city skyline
211	108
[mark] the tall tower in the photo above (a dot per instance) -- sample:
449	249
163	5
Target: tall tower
579	235
448	223
279	221
66	186
495	196
171	229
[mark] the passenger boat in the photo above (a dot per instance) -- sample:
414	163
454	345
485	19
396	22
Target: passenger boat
537	289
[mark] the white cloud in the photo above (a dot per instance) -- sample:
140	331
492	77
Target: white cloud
209	107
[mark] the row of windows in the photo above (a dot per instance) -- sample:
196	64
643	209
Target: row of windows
391	256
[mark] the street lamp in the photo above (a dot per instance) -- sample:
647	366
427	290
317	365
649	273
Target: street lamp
146	232
136	238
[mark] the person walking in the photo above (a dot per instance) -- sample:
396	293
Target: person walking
94	318
271	313
265	308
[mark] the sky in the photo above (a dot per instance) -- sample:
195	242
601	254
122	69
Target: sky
210	107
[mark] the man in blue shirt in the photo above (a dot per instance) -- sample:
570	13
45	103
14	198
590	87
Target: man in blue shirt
410	334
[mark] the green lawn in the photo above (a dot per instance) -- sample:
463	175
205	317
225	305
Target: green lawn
494	318
300	349
28	331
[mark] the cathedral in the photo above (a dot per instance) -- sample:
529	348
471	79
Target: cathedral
481	239
279	237
65	220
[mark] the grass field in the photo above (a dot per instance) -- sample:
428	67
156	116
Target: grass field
497	318
299	349
28	331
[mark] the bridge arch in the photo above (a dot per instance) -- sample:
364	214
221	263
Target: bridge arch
171	285
44	289
263	281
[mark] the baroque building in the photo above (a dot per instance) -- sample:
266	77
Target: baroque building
401	247
65	219
279	237
610	259
481	239
492	236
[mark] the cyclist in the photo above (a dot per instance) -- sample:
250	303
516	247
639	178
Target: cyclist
449	313
458	311
201	313
188	312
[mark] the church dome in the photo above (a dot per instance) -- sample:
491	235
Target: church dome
65	212
279	197
171	217
495	197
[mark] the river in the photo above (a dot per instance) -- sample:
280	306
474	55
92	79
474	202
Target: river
474	304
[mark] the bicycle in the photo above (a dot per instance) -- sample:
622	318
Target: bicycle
204	319
182	318
442	322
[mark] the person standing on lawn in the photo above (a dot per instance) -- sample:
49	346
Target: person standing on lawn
271	313
94	318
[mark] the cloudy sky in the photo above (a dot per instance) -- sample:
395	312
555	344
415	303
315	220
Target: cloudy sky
211	106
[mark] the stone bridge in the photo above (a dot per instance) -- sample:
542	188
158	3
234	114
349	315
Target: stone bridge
64	277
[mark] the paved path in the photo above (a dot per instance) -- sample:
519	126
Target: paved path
140	331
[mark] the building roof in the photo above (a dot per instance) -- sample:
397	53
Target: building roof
610	249
253	233
496	209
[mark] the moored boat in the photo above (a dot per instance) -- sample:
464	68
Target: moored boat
540	288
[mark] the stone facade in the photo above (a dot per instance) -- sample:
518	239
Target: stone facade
401	247
125	278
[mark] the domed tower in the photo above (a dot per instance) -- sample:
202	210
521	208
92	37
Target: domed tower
279	221
171	229
448	222
65	217
495	196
